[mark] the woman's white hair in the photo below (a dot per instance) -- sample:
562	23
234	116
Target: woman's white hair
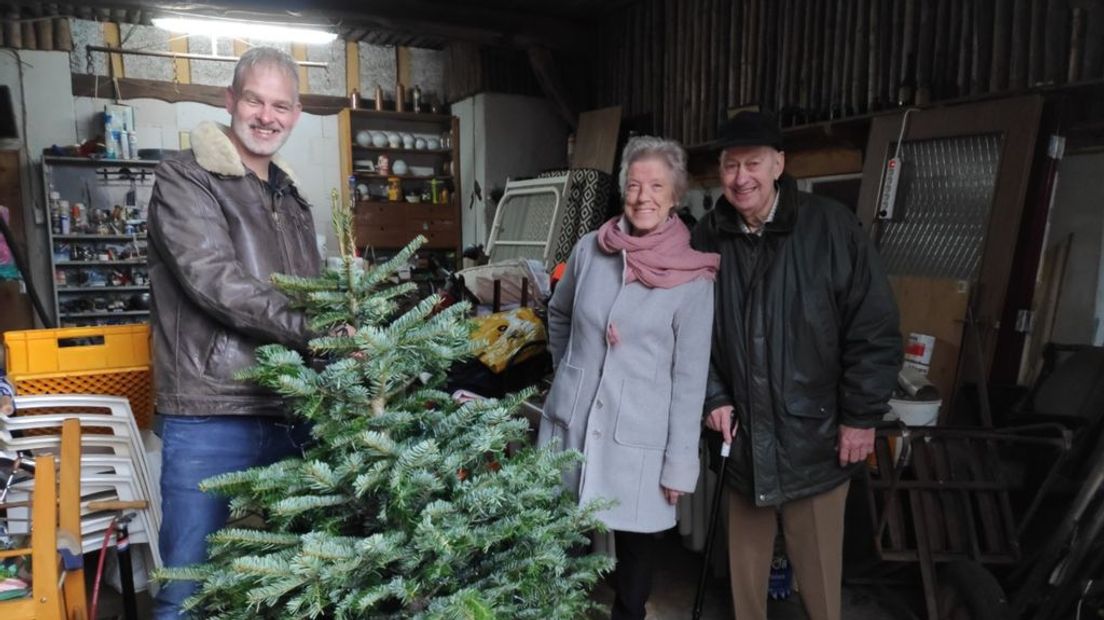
669	152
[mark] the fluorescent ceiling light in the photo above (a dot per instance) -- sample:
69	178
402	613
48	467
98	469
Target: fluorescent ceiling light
244	30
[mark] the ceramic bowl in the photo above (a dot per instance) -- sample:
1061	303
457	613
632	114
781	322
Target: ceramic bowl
364	138
413	198
379	139
399	167
433	143
407	141
394	140
420	144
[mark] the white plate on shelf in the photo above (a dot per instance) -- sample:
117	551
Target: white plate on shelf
421	171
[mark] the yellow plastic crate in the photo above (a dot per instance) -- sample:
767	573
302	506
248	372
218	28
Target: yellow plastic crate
112	360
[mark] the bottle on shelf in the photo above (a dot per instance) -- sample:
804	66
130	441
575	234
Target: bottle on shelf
354	99
400	97
379	98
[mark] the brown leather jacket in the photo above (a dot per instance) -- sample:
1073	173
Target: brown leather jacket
217	233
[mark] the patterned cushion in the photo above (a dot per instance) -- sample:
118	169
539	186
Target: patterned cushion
588	206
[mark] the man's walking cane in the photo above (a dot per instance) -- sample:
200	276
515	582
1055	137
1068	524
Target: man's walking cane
714	514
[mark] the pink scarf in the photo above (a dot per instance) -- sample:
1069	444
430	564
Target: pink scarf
662	258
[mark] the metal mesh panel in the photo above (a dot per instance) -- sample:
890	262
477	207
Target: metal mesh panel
945	194
528	217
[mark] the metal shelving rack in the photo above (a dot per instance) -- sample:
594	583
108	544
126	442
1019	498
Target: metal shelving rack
82	290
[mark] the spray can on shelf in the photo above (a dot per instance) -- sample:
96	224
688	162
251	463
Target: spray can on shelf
132	139
124	143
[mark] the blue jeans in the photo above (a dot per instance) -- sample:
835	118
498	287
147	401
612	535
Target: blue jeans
193	449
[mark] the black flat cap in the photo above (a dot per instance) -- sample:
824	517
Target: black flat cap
749	128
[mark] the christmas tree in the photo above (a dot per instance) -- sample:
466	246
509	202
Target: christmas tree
408	504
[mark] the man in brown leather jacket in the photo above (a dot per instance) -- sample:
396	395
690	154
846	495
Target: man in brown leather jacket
224	216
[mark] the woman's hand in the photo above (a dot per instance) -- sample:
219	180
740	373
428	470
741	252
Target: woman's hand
671	495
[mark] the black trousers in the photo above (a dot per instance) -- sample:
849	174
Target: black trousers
632	577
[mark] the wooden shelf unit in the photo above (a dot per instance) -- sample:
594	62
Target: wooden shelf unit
385	225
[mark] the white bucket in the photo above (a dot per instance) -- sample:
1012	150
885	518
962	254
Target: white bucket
914	412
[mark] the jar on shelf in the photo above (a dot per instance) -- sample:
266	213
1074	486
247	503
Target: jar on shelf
394	189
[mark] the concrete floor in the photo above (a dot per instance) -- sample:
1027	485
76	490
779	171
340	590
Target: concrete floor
676	584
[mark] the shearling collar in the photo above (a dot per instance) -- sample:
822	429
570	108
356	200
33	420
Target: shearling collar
214	152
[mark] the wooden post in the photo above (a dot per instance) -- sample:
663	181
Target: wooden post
183	66
69	517
352	68
299	52
111	39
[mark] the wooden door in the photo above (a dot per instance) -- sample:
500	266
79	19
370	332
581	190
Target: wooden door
964	174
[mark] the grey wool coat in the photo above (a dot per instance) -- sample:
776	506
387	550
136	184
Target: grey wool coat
633	408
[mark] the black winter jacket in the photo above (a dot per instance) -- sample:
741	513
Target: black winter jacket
811	341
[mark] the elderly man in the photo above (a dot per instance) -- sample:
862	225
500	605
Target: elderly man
805	352
224	216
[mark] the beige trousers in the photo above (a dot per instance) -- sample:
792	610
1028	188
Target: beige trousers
813	528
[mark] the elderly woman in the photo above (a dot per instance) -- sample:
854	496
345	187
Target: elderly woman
629	330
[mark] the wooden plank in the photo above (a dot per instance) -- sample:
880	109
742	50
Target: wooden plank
937	307
111	39
596	140
44	541
823	162
182	67
135	88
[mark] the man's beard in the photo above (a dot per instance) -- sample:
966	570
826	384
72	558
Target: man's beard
243	131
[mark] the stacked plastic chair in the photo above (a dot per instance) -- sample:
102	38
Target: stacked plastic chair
114	466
